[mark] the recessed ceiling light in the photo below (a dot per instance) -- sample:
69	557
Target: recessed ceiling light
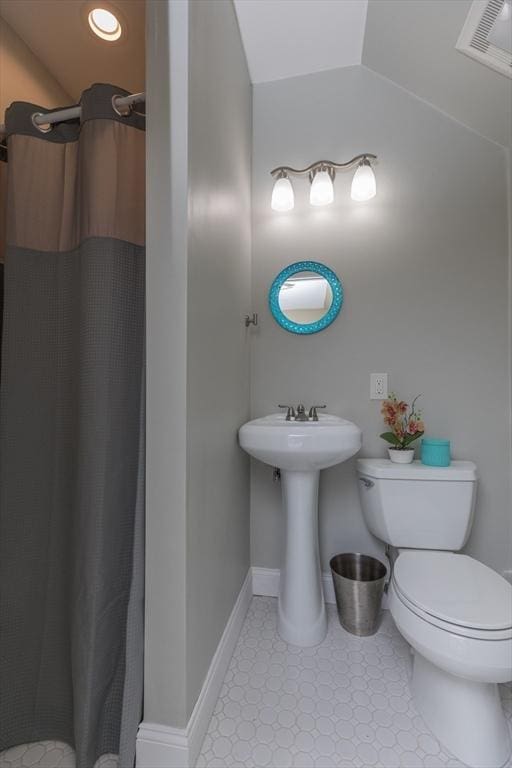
104	24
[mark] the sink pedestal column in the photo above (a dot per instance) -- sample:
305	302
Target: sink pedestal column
301	612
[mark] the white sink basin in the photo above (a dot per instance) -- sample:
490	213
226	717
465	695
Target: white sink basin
300	445
301	449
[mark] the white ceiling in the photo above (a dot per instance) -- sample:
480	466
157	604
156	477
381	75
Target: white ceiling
284	38
57	33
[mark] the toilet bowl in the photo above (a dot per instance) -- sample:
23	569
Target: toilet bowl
456	614
454	611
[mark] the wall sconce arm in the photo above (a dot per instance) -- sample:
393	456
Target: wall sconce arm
321	164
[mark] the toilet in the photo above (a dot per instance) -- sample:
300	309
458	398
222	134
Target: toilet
455	612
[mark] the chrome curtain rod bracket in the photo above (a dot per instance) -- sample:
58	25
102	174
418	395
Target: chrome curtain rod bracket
328	165
123	105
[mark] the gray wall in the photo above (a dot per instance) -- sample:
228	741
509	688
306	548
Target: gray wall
413	43
509	197
219	272
424	268
198	290
166	310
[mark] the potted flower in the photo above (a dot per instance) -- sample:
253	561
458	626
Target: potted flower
405	425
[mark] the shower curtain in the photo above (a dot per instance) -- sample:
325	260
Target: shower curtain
3	223
71	432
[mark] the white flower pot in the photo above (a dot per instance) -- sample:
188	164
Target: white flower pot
401	457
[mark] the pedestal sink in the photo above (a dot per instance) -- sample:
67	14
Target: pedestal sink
301	449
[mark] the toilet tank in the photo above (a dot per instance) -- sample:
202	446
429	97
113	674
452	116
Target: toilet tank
415	506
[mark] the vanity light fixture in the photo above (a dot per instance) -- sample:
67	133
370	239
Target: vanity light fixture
282	194
321	175
364	186
322	188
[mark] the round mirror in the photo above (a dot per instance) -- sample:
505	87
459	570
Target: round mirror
306	297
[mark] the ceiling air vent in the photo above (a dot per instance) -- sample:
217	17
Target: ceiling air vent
487	34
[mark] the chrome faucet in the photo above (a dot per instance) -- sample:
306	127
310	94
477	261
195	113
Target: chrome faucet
290	412
313	415
300	414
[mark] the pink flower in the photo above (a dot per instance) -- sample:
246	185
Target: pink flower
403	420
389	411
400	419
415	426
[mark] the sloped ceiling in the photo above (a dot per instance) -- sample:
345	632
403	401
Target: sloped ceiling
412	42
58	34
284	38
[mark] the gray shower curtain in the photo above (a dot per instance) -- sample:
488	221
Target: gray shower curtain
71	432
3	216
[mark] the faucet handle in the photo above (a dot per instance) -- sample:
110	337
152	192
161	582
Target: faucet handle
312	411
290	413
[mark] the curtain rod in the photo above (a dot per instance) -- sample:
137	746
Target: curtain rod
72	112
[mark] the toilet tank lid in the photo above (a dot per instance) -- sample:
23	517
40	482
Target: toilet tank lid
387	470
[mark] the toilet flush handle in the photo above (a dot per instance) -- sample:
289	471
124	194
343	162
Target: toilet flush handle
367	483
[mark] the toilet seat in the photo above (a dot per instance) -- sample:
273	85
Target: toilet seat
455	593
456	629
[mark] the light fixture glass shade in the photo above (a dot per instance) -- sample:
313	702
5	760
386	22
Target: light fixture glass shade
364	186
322	189
104	24
282	195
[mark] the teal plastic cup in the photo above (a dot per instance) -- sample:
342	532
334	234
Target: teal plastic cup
435	452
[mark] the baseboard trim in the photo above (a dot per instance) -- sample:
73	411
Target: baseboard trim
205	704
265	581
161	746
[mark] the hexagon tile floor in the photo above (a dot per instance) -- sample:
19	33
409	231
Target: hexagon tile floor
47	754
344	703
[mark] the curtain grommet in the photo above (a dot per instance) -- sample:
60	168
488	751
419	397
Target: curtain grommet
124	111
45	128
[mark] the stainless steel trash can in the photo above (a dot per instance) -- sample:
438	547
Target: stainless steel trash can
358	584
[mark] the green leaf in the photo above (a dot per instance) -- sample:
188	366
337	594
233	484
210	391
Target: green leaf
391	438
410	438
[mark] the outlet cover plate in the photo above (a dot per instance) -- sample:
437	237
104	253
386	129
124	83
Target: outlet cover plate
378	386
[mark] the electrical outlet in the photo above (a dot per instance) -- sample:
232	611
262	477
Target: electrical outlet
378	386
